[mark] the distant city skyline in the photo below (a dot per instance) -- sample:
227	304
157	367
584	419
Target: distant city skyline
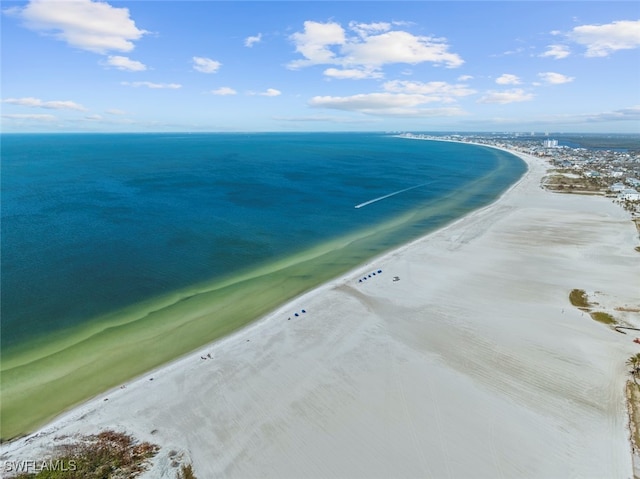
161	66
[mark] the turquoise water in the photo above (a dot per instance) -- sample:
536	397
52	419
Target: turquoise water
93	223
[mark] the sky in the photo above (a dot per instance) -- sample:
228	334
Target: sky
241	66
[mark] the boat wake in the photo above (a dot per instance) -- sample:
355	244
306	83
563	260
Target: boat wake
380	198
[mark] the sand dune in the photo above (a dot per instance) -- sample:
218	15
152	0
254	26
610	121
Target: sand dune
463	358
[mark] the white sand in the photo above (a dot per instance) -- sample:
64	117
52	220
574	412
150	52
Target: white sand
473	365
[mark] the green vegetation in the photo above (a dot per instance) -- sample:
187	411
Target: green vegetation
568	184
108	455
186	472
604	318
633	398
634	367
633	405
578	298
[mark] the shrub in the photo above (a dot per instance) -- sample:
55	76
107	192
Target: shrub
107	455
605	318
186	472
578	298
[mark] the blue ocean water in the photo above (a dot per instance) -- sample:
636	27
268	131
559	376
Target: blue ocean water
92	223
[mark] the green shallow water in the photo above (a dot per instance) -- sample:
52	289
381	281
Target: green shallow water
47	376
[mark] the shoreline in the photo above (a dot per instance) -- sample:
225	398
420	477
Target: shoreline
401	375
52	375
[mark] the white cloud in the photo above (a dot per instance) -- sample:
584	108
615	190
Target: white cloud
504	97
569	121
224	91
115	111
352	73
331	119
315	41
205	65
555	78
517	51
366	29
431	91
631	113
508	79
125	63
63	105
93	117
384	104
35	117
374	46
368	101
29	101
557	51
400	98
271	92
148	84
465	78
602	40
94	26
250	41
399	47
52	105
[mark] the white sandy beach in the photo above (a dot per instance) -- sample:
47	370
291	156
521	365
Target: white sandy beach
472	365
